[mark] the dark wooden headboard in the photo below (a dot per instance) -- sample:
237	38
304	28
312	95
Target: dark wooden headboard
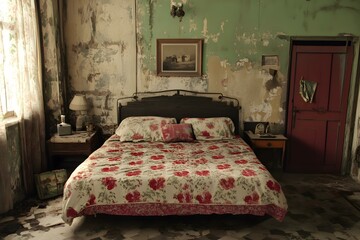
180	105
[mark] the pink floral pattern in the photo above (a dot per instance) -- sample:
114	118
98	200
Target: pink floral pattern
109	182
177	133
201	177
143	128
133	196
211	128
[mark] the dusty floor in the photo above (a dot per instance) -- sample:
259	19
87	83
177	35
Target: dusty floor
320	207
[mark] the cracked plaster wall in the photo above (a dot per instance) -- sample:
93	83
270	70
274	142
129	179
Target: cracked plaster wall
236	34
100	44
101	48
111	49
233	46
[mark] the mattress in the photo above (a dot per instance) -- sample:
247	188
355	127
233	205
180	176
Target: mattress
182	178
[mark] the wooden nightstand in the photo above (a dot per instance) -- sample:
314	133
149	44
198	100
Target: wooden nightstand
70	150
258	142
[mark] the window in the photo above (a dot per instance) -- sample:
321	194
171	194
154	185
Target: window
8	59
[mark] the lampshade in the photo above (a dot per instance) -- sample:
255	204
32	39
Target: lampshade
78	103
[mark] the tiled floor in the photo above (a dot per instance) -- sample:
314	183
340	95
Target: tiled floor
319	208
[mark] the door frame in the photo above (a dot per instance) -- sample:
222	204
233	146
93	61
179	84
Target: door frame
352	95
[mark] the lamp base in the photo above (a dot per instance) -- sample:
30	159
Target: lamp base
80	123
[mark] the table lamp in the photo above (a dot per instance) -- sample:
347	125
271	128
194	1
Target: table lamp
78	103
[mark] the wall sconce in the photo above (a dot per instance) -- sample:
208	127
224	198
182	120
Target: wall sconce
177	11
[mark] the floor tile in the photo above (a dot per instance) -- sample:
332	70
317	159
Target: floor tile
320	207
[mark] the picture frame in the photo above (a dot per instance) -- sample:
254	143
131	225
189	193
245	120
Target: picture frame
270	60
179	57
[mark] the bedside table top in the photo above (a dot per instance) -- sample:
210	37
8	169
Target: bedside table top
253	136
76	137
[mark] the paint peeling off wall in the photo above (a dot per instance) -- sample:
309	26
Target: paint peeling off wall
150	82
100	39
252	85
233	47
214	37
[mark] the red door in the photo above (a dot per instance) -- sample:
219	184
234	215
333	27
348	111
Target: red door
316	129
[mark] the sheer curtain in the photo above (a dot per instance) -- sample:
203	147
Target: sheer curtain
22	69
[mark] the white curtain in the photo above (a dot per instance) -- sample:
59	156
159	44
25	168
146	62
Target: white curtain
26	76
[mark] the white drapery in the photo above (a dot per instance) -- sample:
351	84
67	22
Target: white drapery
22	64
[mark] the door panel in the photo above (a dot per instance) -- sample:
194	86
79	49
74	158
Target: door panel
307	147
331	153
313	67
337	82
316	130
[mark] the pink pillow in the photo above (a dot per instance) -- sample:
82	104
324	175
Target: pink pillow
177	133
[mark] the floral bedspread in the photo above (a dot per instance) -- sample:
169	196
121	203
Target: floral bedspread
155	178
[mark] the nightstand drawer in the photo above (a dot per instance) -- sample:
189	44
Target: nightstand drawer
262	145
267	144
70	148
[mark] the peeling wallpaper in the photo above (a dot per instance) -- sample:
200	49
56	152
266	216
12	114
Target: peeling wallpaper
226	43
100	43
111	49
236	34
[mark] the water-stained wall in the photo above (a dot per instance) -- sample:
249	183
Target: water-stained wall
111	49
101	55
237	34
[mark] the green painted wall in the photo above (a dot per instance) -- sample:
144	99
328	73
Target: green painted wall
111	49
237	33
239	28
104	61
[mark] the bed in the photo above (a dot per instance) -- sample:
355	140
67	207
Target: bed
175	154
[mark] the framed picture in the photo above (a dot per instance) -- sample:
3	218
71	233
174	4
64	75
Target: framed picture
179	57
270	60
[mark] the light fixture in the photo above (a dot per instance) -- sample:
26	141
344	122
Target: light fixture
78	103
177	10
